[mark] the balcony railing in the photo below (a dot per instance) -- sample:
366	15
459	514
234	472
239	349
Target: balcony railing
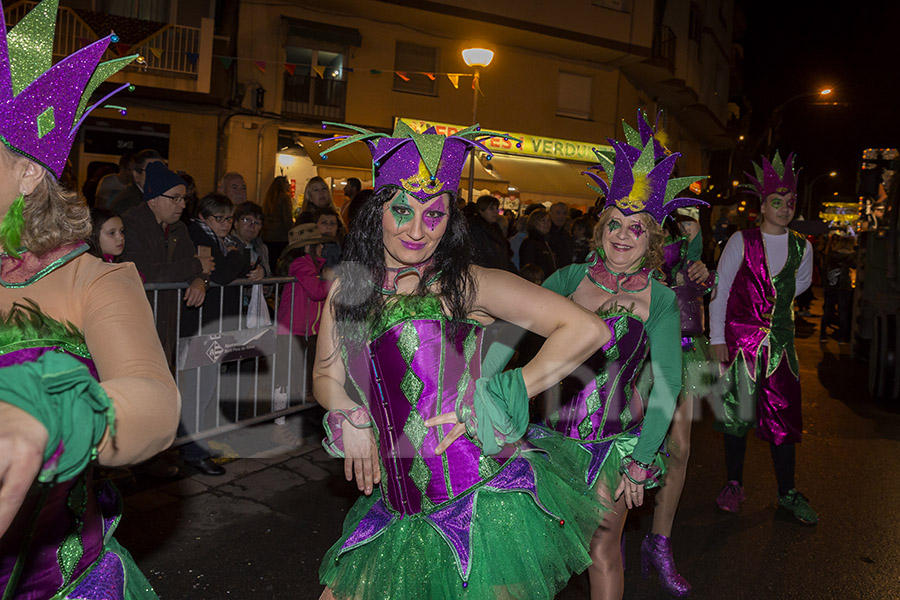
664	45
309	96
171	50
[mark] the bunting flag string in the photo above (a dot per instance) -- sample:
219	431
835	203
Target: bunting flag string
123	49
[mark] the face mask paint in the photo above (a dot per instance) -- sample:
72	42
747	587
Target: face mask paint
434	214
613	225
637	230
401	210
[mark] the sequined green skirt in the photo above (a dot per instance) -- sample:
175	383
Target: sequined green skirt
518	550
699	373
606	474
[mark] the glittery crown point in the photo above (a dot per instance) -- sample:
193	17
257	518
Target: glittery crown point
640	178
423	164
41	104
772	177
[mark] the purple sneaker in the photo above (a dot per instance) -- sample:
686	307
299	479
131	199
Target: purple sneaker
730	497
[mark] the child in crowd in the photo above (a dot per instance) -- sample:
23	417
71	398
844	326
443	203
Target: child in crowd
108	235
301	305
328	225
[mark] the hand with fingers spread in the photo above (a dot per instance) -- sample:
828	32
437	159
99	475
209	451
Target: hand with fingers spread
447	419
22	443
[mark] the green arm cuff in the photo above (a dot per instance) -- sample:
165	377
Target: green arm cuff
59	391
501	410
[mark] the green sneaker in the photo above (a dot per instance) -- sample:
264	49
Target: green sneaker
798	505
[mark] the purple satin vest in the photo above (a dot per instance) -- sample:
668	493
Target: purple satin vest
687	293
752	297
598	400
408	374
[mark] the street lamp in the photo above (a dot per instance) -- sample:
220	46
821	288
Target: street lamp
476	58
809	189
778	113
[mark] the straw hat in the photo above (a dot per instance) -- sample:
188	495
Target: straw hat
306	234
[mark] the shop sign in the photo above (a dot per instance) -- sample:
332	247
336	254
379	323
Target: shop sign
532	145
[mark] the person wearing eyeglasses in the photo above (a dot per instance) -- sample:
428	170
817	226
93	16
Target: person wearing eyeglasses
245	234
220	313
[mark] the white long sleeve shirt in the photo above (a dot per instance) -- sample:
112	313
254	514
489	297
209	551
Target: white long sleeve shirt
730	261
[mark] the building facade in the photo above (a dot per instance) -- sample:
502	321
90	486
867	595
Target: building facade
228	85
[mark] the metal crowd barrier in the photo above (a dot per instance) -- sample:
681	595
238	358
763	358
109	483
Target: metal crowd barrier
232	372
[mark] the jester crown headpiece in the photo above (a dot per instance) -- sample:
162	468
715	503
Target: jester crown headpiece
423	165
42	106
774	177
639	174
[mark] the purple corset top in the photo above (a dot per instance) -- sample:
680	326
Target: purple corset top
598	400
409	373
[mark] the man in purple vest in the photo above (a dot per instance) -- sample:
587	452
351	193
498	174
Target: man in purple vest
760	271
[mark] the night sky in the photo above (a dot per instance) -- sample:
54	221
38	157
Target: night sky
791	47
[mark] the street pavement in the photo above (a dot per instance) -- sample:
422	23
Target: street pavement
261	530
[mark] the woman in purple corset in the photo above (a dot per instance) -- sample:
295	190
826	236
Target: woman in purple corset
462	510
83	378
617	432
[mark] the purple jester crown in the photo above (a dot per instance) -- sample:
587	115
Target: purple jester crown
423	165
774	177
639	174
41	104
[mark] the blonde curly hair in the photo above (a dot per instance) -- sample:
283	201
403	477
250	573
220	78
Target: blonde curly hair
653	258
53	215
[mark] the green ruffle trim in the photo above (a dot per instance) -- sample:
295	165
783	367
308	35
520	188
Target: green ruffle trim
26	326
11	227
501	410
59	391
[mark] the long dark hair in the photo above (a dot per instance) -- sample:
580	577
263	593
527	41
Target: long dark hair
358	300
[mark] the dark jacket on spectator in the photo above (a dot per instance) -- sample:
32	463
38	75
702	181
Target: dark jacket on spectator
489	247
161	256
536	251
233	265
562	244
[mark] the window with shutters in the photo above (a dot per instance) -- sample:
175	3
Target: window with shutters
417	65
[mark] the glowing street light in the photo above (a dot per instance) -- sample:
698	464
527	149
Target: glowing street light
477	58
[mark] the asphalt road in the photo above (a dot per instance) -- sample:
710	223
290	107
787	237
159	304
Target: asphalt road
260	531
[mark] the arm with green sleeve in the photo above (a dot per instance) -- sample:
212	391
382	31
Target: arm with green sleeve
564	282
664	330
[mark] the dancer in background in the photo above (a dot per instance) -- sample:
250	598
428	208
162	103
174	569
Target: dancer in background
461	511
683	272
751	327
599	408
83	378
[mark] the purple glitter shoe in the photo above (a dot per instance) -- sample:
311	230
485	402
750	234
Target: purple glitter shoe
656	550
730	497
